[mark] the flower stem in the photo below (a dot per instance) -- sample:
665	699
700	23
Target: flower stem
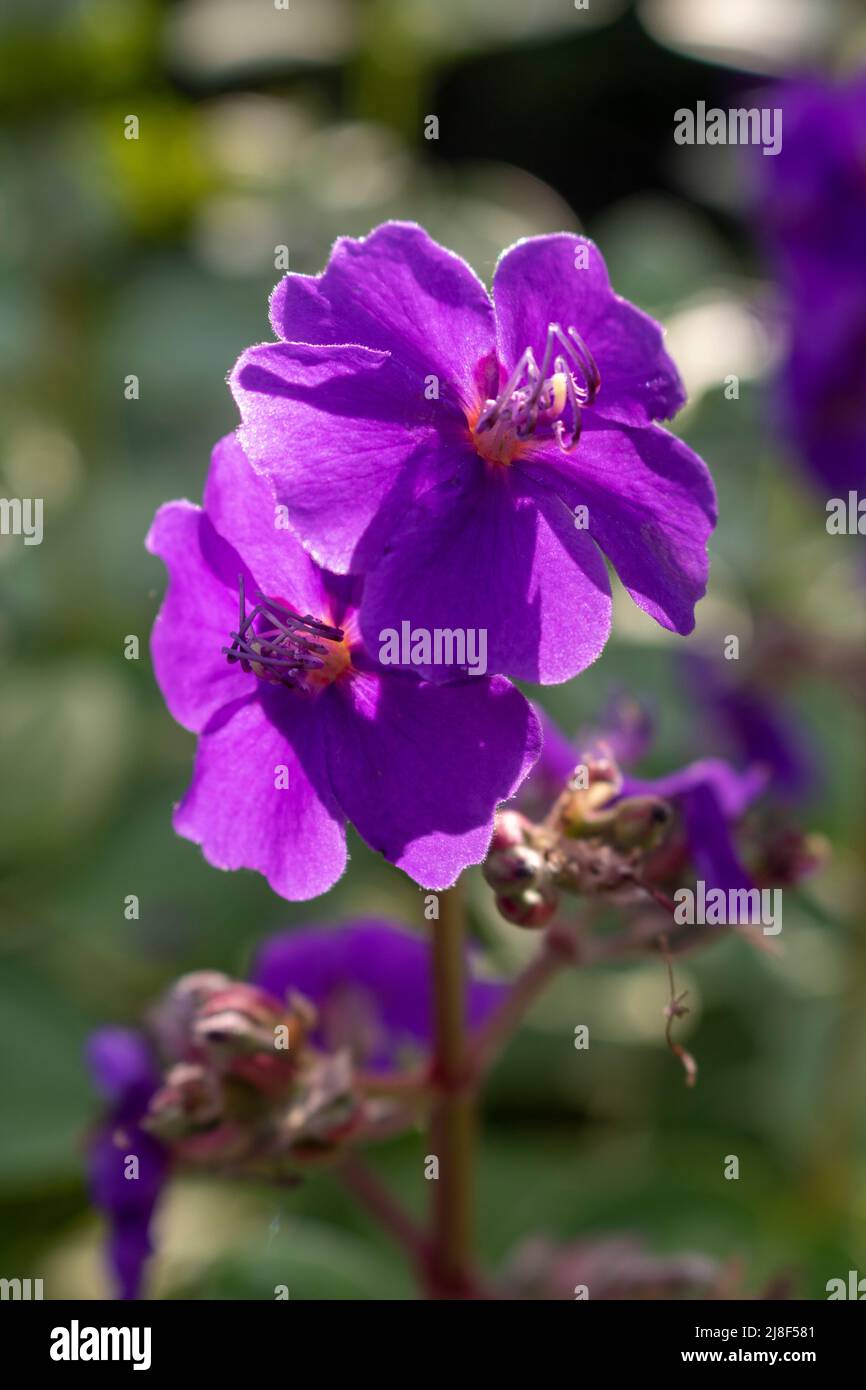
452	1131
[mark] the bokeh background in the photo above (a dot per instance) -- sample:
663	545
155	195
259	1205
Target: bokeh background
260	128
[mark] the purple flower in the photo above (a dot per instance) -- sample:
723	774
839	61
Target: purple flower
812	195
479	462
811	208
300	728
371	983
823	389
125	1072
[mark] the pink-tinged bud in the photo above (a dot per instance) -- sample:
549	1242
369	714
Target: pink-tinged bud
242	1020
532	908
250	1036
510	829
199	985
173	1017
324	1110
514	869
187	1102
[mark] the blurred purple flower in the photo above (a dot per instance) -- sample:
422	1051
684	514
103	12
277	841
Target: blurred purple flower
125	1072
371	983
758	729
812	194
300	728
811	208
451	449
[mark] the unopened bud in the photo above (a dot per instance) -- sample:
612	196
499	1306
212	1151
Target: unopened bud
188	1101
514	869
240	1021
583	808
640	822
172	1018
510	829
534	907
199	985
604	778
229	1032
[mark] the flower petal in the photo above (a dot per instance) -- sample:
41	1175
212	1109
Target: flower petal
346	440
651	505
711	841
198	613
500	555
123	1066
420	768
543	280
242	818
127	1202
399	291
733	790
242	508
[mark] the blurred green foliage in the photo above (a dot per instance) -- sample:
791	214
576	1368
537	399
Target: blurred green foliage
156	257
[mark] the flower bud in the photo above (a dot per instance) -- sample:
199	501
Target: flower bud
510	829
605	781
583	808
188	1101
514	869
246	1034
533	907
242	1020
640	822
172	1018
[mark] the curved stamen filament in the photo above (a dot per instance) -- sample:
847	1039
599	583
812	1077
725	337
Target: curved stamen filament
285	647
533	391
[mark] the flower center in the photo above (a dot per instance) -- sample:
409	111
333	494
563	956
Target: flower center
552	394
283	648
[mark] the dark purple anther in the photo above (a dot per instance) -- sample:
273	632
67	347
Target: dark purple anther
282	648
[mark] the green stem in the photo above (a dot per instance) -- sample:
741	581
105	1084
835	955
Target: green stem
452	1131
